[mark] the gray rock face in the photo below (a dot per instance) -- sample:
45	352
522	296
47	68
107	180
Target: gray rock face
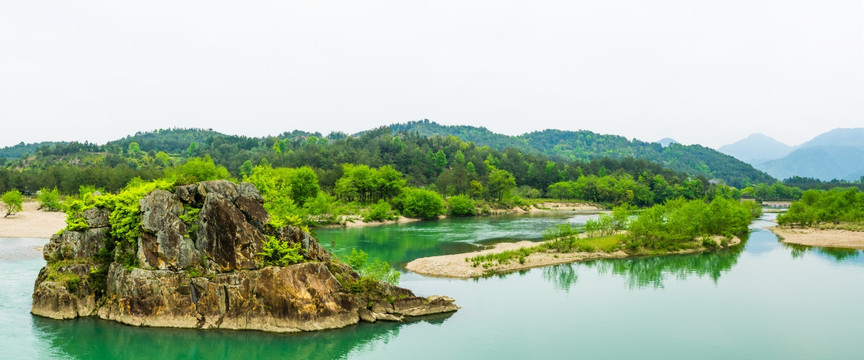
75	244
205	273
164	243
225	235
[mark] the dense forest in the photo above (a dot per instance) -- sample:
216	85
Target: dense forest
586	145
381	168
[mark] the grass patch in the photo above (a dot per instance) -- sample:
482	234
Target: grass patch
569	244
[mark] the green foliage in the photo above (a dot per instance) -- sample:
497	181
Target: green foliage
678	223
365	184
275	186
49	199
12	201
278	253
379	212
198	169
422	203
376	270
189	217
461	205
819	206
561	230
500	184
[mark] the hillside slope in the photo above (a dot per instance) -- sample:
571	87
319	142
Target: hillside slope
587	145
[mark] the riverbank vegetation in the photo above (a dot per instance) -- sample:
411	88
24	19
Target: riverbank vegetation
677	225
835	208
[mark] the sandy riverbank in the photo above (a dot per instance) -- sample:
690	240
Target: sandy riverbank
32	223
356	221
818	237
456	266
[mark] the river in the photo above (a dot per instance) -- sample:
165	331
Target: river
762	300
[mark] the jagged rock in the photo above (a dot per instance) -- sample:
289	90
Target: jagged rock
75	244
164	243
248	190
419	306
225	235
366	315
303	297
211	277
59	300
96	217
253	210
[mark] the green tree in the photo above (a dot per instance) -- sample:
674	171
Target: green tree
134	148
461	205
500	184
12	201
422	203
246	168
49	199
198	169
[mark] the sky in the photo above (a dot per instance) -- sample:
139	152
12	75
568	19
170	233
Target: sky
706	72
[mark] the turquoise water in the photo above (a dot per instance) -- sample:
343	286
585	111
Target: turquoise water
765	300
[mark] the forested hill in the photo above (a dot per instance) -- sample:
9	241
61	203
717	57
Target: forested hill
17	151
586	145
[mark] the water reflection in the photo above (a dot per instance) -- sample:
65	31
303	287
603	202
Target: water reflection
98	339
399	244
642	272
837	254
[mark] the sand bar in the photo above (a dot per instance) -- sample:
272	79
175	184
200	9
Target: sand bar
819	237
455	266
32	223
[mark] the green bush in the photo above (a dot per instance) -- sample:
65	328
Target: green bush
197	169
12	201
374	271
49	199
422	203
461	205
279	253
379	212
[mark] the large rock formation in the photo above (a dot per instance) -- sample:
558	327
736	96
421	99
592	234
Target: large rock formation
196	265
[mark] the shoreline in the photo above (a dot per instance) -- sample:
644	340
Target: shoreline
356	221
820	237
32	223
457	265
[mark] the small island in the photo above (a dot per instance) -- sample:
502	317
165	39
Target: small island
208	255
677	227
833	218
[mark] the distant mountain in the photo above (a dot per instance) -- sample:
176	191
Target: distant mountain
756	149
836	154
824	162
853	137
587	145
667	141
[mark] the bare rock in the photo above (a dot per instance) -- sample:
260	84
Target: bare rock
225	236
96	217
164	243
72	245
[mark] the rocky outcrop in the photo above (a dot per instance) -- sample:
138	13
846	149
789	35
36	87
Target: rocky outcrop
197	266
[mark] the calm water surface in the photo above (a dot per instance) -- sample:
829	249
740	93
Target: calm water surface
764	300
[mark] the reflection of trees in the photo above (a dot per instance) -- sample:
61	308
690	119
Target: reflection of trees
838	254
99	339
651	271
562	276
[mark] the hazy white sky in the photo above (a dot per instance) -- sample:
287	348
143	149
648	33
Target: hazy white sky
708	72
